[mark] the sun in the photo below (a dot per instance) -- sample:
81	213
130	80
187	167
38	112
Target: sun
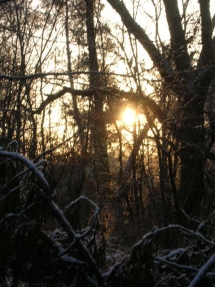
128	117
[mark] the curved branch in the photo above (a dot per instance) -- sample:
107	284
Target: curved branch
44	186
159	61
104	91
53	97
42	182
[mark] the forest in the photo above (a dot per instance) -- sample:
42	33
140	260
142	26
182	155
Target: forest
107	143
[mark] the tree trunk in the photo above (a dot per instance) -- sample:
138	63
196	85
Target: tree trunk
190	84
192	138
99	125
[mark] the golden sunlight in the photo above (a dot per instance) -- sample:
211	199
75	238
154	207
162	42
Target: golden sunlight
128	117
53	120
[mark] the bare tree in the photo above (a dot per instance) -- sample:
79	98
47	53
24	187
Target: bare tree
189	81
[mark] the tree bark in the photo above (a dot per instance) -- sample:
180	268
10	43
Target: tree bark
99	126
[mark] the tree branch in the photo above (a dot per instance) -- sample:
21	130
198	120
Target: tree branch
53	97
42	182
56	74
130	96
207	55
159	61
178	41
44	186
202	271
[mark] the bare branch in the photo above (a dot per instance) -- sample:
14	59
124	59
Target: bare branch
207	55
130	96
159	61
178	41
203	271
44	186
56	74
42	182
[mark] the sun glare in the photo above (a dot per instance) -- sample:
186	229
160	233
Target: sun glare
128	117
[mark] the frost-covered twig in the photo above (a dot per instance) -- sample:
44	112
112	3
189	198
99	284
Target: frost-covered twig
58	214
95	215
203	270
156	230
13	215
71	234
171	276
42	182
176	265
14	142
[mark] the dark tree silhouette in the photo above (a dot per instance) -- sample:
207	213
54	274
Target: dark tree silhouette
190	82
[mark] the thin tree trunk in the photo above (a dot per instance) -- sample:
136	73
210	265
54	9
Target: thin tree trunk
99	125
